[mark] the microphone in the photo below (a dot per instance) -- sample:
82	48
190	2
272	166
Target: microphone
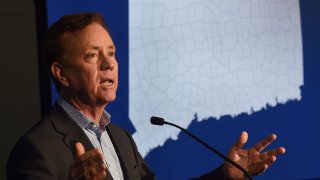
157	121
160	121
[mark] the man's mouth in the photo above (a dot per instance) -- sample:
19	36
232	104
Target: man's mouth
106	82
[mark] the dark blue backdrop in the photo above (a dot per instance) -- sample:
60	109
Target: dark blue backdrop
296	123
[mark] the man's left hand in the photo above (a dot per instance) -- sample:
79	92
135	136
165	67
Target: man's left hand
252	159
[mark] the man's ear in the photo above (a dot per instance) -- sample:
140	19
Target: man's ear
59	73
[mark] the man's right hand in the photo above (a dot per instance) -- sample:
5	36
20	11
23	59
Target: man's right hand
88	165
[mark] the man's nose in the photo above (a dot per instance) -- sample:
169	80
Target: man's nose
106	64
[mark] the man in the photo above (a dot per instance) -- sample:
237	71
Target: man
76	140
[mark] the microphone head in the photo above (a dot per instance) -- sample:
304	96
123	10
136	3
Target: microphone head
157	120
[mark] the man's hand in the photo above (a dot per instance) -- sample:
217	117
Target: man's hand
252	159
88	165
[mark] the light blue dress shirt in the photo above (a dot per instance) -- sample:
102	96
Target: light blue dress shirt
98	136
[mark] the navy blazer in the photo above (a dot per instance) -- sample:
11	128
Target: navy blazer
47	151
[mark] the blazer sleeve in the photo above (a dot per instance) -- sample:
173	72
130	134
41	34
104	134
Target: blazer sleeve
216	174
26	161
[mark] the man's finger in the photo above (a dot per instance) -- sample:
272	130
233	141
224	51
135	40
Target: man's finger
79	149
273	152
270	160
87	165
241	141
82	155
94	154
258	169
265	142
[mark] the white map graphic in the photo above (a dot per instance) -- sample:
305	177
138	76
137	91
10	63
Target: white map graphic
210	57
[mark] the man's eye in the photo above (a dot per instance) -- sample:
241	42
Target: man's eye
90	55
111	53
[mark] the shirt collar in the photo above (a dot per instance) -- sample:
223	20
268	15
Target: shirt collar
82	120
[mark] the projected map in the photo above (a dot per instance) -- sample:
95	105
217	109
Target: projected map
210	58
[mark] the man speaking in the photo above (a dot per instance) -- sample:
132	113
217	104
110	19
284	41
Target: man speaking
77	140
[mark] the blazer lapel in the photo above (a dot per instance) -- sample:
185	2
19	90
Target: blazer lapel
72	132
70	129
124	152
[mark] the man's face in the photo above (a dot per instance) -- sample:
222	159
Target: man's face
90	66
